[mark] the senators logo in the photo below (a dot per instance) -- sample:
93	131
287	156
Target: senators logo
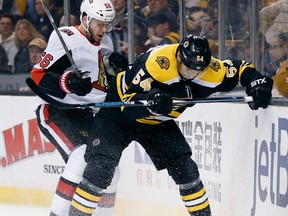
101	84
163	62
67	31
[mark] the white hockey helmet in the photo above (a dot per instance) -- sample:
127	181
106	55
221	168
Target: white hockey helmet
102	10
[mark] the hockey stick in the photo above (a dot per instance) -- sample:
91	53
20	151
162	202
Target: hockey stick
60	38
38	91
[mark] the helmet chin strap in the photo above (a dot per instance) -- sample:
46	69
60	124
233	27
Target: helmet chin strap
87	30
193	77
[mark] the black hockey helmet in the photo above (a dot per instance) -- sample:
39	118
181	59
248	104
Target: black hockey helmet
195	52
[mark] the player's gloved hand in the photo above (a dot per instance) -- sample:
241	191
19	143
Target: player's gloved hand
118	61
260	89
70	83
162	102
108	67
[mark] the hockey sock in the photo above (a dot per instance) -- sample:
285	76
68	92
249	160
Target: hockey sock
195	198
68	182
107	200
63	196
85	199
106	204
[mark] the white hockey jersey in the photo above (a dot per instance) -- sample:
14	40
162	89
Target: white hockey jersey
87	57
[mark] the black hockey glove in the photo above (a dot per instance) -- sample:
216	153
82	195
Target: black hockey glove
70	83
162	102
118	61
260	89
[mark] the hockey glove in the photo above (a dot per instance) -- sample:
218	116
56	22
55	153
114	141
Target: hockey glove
70	83
162	102
118	61
110	70
260	90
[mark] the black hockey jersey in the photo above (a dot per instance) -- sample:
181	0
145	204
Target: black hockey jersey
157	68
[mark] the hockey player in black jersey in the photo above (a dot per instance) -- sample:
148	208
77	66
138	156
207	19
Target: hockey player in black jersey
179	71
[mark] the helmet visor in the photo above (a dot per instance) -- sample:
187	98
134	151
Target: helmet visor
100	25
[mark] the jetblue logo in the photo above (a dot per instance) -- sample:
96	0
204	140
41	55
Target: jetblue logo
271	167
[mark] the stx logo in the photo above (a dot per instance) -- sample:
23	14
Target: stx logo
258	81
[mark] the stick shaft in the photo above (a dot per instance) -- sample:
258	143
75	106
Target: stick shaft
60	37
215	100
38	91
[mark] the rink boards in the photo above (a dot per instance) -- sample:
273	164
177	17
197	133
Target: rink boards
242	156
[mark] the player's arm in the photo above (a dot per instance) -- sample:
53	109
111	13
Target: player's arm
114	63
50	72
257	85
144	87
48	78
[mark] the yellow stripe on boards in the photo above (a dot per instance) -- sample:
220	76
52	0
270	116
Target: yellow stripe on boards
198	207
82	208
194	196
87	195
13	195
127	207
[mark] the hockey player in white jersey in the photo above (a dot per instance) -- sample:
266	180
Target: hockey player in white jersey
91	50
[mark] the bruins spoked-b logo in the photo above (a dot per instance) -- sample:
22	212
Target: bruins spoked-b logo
163	62
96	142
186	44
